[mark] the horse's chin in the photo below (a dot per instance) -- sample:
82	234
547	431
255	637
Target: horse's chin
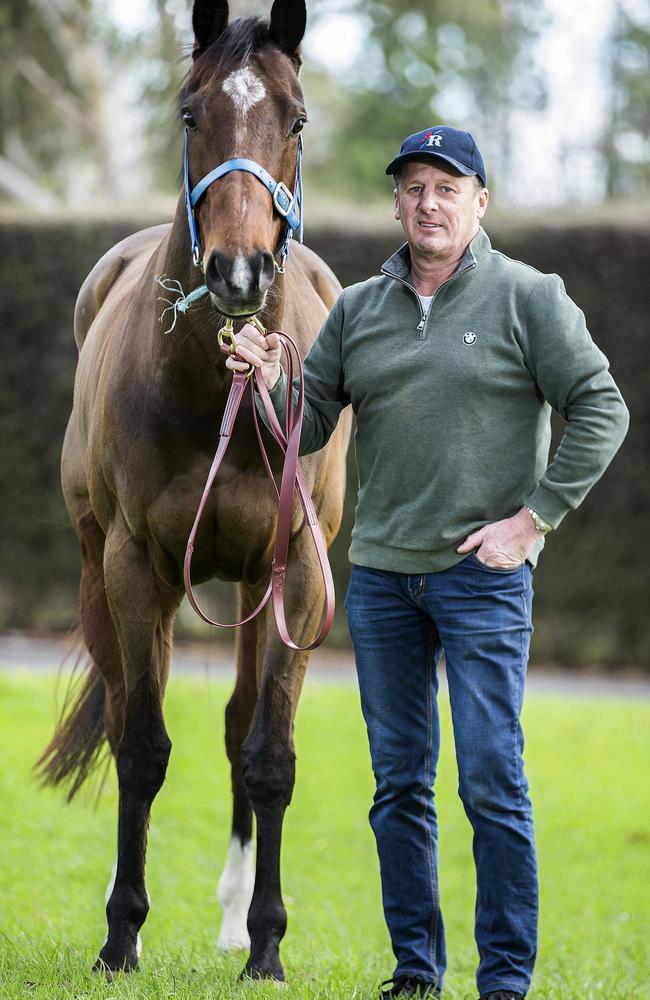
236	308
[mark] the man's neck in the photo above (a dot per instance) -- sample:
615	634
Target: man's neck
429	273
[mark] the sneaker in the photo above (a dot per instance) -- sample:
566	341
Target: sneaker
409	986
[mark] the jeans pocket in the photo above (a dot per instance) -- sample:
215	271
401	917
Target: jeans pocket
474	559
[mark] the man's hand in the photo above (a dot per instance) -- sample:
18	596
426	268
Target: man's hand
263	352
503	544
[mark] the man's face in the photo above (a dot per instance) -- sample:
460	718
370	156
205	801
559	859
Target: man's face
439	209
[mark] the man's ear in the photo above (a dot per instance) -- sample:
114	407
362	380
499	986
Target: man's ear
483	199
396	214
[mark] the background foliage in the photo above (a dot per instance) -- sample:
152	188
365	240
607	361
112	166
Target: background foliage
88	103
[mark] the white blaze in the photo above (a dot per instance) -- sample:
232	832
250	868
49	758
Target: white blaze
234	893
244	88
241	276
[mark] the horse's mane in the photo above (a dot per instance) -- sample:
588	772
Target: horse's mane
238	41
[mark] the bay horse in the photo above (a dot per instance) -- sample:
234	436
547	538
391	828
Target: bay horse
136	453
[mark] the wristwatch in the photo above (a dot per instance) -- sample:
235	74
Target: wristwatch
539	522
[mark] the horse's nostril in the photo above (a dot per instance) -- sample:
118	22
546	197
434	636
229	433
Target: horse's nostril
267	271
216	271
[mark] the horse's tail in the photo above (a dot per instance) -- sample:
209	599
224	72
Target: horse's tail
75	750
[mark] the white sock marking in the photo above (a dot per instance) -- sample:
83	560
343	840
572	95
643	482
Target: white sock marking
234	893
244	88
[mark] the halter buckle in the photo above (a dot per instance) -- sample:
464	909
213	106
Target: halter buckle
282	199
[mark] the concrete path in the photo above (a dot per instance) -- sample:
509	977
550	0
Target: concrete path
45	654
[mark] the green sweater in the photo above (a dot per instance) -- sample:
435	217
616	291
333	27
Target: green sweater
453	413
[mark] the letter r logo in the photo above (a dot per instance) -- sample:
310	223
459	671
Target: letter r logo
434	139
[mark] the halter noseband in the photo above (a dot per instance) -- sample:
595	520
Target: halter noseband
287	205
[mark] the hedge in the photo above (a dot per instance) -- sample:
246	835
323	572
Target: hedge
592	581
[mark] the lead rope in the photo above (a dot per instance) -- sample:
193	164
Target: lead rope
292	480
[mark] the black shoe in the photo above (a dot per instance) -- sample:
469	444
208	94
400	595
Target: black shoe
410	986
502	995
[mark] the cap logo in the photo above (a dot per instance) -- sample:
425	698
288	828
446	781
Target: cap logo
433	139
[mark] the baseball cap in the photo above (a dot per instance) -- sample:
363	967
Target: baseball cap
443	143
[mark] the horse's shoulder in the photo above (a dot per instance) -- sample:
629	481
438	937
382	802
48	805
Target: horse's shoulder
134	249
322	278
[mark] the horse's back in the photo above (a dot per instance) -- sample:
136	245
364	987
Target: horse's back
128	257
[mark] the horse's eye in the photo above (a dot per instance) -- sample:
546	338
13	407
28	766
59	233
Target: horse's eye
297	128
188	118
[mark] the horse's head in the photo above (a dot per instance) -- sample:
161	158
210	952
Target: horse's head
242	99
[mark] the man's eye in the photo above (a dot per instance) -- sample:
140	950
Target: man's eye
446	188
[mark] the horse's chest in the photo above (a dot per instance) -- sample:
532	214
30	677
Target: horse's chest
236	530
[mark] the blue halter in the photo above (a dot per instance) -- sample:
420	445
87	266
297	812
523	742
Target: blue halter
286	204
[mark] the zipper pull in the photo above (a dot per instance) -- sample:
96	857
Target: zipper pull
420	326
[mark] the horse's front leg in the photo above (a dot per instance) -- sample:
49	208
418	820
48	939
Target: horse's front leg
268	763
143	626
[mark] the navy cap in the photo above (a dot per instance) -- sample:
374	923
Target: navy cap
443	143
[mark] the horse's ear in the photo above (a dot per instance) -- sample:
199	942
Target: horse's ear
288	23
209	18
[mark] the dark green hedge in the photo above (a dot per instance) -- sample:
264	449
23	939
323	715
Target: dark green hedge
593	581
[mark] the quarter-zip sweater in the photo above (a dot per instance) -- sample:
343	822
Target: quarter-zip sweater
453	409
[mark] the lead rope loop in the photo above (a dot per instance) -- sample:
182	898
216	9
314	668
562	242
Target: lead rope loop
292	480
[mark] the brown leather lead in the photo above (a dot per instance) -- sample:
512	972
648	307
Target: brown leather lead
292	479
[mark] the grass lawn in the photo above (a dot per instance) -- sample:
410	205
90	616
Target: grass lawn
587	762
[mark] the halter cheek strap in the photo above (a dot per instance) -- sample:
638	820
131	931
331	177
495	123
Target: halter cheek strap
287	205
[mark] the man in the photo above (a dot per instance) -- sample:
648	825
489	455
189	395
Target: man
452	360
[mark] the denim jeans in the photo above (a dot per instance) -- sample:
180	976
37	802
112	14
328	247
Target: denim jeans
400	624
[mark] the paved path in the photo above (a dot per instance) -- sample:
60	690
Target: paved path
46	654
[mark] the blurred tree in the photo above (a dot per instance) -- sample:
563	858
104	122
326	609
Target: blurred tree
626	137
55	114
465	64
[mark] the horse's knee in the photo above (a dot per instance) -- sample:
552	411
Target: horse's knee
269	770
142	764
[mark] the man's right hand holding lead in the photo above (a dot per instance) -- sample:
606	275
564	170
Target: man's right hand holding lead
263	352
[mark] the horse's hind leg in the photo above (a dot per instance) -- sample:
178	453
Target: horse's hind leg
143	622
97	709
235	889
98	628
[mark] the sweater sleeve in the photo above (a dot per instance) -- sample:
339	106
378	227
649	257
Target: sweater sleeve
325	396
573	376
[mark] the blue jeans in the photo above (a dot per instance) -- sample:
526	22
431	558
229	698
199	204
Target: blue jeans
400	624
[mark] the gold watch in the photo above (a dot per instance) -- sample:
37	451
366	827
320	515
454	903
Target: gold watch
543	526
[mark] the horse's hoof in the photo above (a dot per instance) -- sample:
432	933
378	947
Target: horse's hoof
113	969
252	976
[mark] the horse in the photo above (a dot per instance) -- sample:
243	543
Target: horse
136	452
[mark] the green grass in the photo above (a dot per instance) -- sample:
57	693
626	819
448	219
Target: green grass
587	761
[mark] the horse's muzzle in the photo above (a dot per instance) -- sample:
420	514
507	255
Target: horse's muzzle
239	284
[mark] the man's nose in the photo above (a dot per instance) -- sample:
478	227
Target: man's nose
429	201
